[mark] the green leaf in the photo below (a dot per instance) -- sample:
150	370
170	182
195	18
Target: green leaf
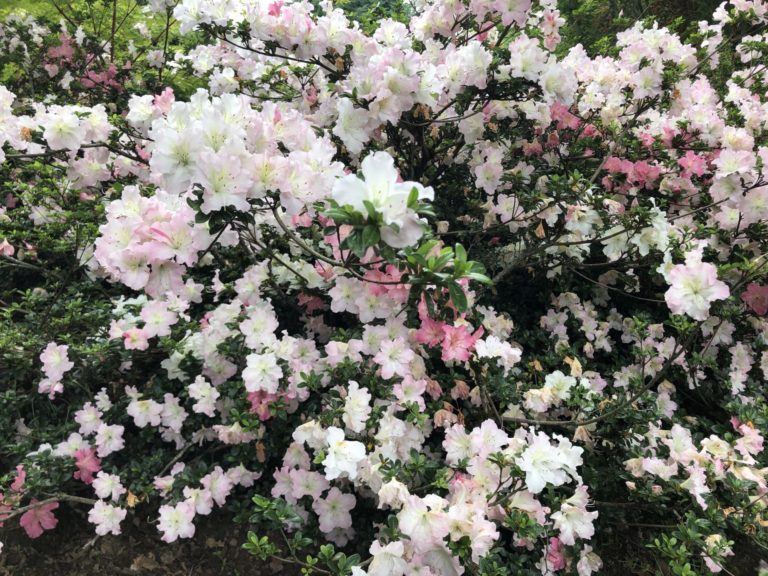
461	253
371	236
482	278
338	215
425	248
413	198
457	296
371	209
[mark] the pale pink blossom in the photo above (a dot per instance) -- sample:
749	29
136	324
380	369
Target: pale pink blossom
693	287
333	510
176	521
107	518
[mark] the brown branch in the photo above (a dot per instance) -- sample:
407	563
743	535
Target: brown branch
56	498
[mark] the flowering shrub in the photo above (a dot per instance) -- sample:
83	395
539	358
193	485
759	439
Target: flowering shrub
427	299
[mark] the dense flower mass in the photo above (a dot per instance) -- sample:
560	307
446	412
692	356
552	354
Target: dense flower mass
425	295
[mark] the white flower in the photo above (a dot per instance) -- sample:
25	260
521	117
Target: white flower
106	517
402	227
108	486
457	445
357	407
109	439
560	384
352	125
343	455
145	412
393	494
140	110
573	520
262	373
493	347
310	433
589	562
173	415
539	399
71	445
545	463
89	418
200	498
63	130
205	395
176	521
387	560
615	242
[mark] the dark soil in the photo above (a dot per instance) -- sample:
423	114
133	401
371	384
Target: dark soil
73	549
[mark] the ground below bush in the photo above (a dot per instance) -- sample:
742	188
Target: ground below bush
73	549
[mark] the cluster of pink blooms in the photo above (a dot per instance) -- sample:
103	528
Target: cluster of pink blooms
147	243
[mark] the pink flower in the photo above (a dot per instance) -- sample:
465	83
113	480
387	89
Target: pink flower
64	51
21	476
56	361
260	402
136	339
555	555
219	485
39	519
458	342
157	318
87	464
692	163
756	297
50	387
693	287
430	332
162	102
6	249
308	483
424	521
563	117
275	8
333	511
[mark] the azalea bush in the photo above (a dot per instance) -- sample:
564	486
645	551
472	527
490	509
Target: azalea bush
416	296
